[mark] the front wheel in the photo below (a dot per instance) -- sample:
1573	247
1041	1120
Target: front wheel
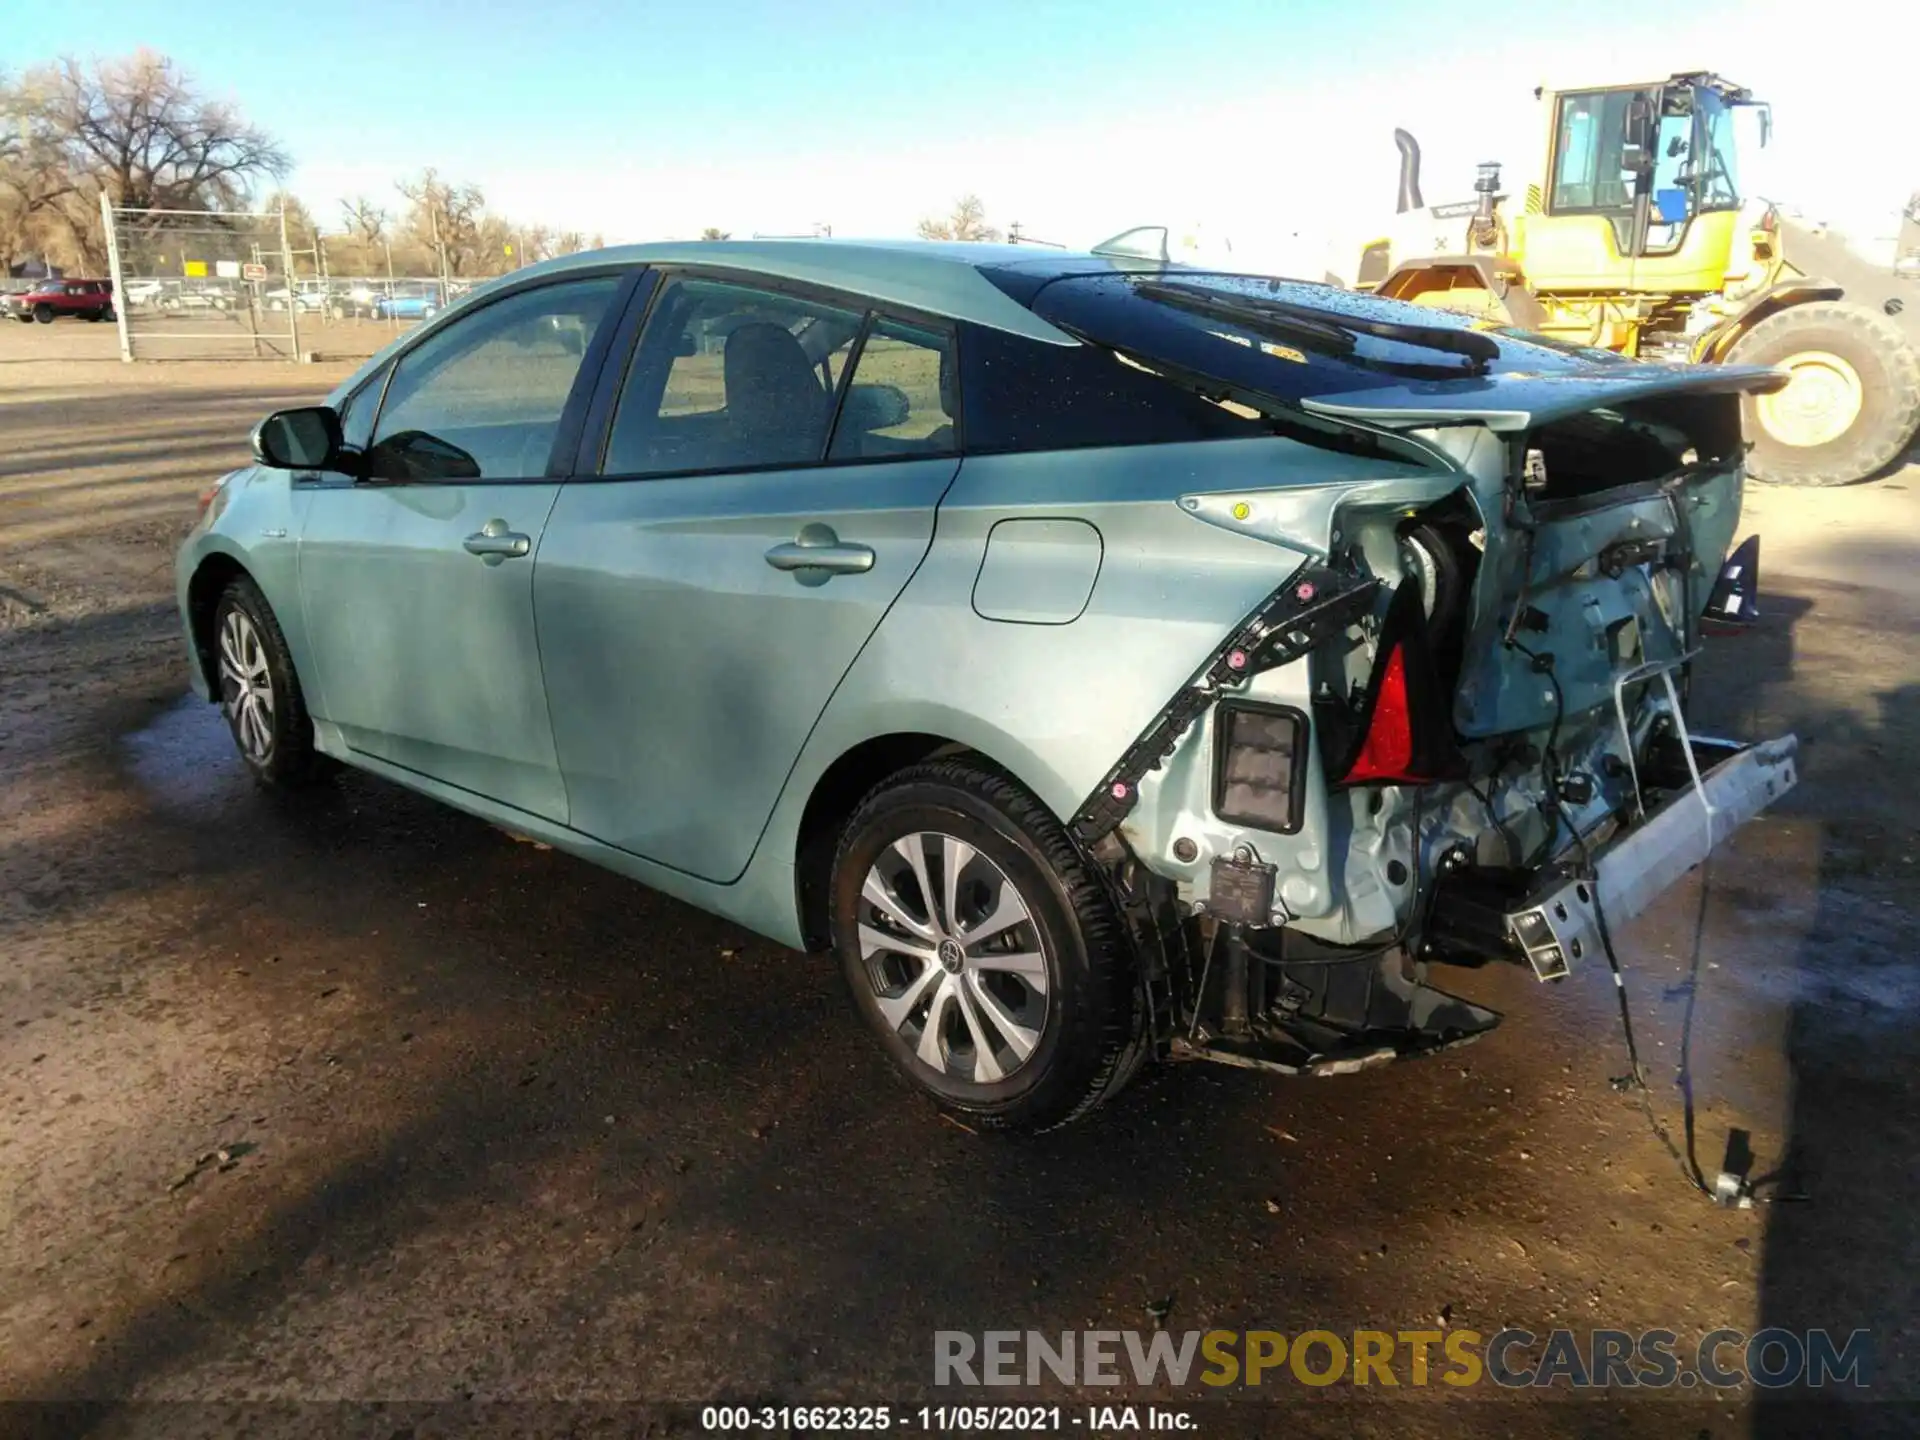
1851	406
259	692
983	950
43	312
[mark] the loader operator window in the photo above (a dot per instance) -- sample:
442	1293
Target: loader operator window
1586	173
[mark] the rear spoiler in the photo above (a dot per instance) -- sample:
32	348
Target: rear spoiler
1511	402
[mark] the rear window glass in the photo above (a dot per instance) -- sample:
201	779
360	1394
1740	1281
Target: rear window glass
1026	395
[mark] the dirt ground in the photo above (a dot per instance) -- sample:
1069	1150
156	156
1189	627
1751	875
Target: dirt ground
360	1100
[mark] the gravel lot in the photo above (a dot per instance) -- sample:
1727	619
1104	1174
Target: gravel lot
364	1100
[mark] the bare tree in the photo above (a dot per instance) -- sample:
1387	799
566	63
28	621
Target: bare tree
135	129
569	242
967	222
139	129
446	219
536	243
366	221
714	233
35	187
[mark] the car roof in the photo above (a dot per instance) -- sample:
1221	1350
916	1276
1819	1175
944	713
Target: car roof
935	277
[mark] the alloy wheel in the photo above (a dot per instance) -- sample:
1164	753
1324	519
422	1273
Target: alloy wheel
954	957
246	685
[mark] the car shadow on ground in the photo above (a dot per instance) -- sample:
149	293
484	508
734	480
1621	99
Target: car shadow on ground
1842	1251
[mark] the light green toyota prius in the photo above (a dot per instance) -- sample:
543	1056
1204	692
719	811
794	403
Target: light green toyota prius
1106	660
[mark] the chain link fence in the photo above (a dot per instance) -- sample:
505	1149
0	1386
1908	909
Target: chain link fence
226	285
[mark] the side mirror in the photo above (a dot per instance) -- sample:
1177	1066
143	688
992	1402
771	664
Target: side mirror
305	439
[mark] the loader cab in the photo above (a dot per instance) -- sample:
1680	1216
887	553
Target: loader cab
1642	187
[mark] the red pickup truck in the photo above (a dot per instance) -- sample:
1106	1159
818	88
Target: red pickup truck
91	298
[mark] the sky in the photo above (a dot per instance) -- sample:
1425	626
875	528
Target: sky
1264	123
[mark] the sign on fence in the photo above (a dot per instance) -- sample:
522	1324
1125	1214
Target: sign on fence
253	271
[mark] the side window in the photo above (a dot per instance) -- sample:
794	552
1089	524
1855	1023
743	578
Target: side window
1586	174
729	378
356	415
482	399
901	401
1022	395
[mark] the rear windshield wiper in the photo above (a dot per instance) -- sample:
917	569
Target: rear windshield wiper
1331	333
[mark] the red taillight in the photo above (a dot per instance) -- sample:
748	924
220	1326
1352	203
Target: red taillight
1386	752
1406	733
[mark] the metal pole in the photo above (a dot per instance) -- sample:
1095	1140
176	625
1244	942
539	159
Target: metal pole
114	278
392	323
293	298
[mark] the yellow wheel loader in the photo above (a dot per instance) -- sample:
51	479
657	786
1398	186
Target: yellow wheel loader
1636	237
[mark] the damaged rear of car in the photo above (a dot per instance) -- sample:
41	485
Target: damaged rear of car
1455	731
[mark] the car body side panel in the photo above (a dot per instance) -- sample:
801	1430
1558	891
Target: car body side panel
422	653
255	522
1056	704
683	670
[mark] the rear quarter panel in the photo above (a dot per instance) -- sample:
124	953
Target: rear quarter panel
1057	703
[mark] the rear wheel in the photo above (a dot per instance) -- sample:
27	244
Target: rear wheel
983	951
1853	402
259	692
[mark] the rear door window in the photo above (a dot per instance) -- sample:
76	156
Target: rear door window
730	377
902	401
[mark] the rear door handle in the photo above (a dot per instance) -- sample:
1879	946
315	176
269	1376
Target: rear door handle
494	542
817	548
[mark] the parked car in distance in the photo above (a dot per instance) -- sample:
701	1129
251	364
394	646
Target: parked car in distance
202	296
308	296
1106	661
144	292
354	299
407	303
83	299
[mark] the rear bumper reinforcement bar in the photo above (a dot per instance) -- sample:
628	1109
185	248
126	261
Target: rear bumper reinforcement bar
1561	924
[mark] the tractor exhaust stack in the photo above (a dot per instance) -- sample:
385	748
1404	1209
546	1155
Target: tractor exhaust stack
1409	173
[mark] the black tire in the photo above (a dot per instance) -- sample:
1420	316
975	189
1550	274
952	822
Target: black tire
1889	374
1093	1035
288	759
43	312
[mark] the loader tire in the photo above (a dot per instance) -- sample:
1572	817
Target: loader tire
1854	402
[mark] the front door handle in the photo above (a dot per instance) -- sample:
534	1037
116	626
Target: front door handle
495	542
818	550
